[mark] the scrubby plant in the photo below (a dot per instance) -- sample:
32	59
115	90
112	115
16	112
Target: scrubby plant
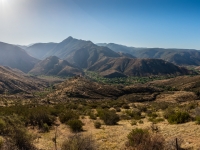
45	128
134	114
141	139
197	119
79	142
68	115
75	125
97	124
178	117
133	122
108	116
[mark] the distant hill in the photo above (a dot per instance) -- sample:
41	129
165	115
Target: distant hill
15	81
15	57
40	50
177	56
79	87
119	67
54	66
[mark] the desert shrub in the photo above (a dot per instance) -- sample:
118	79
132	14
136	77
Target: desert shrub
126	106
136	137
142	108
140	121
45	127
197	119
39	117
168	112
2	126
133	122
108	116
75	125
141	139
79	142
97	125
178	117
92	116
117	109
134	114
68	115
152	114
22	140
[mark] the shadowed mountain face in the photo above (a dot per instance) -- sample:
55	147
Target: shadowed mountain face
40	50
136	67
15	81
56	67
15	57
176	56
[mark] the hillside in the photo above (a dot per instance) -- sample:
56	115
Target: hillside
136	67
182	83
39	50
177	56
53	66
15	57
15	81
79	87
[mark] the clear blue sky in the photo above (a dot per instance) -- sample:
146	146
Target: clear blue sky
139	23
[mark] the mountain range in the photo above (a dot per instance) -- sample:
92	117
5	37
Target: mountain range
182	57
71	56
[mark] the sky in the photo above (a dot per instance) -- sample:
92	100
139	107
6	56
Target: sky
137	23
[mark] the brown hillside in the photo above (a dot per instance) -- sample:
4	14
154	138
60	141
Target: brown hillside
15	81
79	87
136	67
53	66
187	83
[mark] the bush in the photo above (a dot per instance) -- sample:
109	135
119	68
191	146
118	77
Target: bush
23	140
134	114
126	106
45	127
68	115
79	142
118	109
2	126
141	139
197	119
92	116
108	116
97	125
75	125
178	117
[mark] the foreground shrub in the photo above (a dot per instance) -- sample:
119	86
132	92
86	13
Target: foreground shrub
75	125
79	142
108	116
141	139
97	125
178	117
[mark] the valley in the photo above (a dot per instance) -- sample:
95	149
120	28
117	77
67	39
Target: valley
78	94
